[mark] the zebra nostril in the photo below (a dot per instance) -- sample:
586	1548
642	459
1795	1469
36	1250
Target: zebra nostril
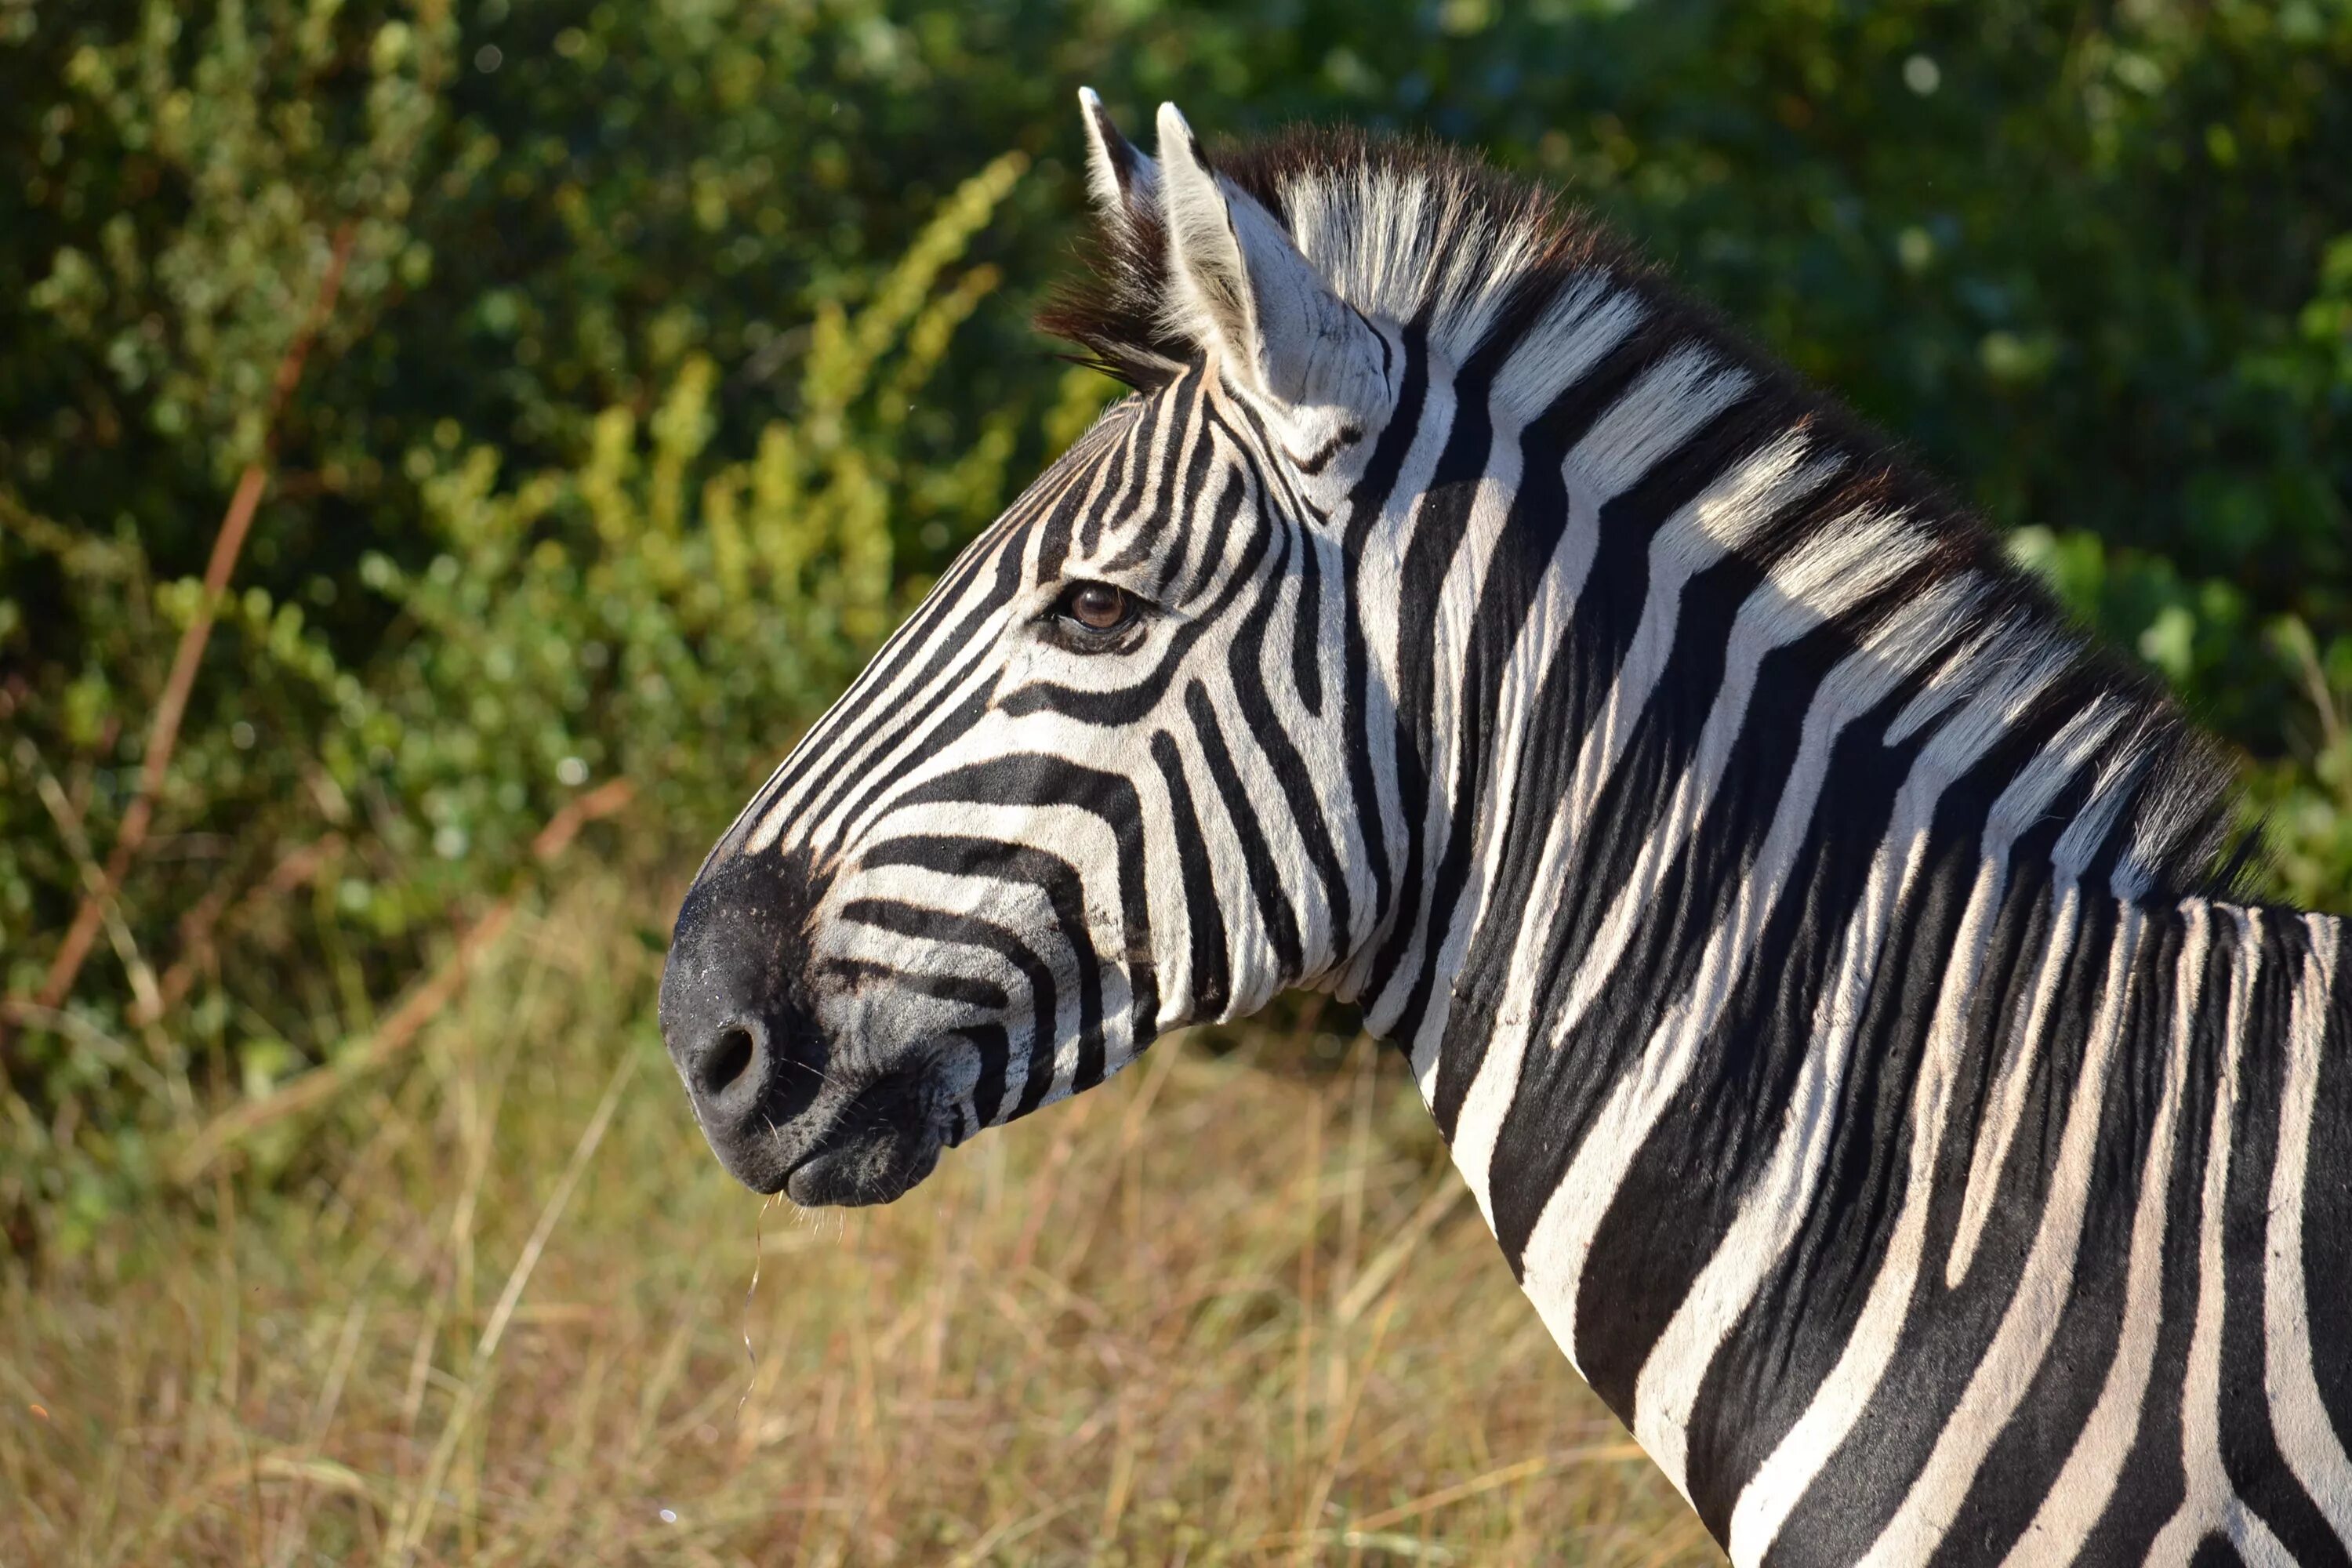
729	1058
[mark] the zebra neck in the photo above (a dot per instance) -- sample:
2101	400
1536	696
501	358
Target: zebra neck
1658	653
1753	908
1968	1105
1611	577
1758	1054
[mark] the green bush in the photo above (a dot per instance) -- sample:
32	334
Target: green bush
677	344
653	611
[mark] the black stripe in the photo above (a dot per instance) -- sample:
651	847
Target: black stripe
1265	879
1057	879
1212	982
940	926
1366	505
1022	778
2249	1450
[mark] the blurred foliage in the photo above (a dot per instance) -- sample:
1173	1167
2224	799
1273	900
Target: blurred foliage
659	382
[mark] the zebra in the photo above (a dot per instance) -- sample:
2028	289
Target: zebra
1816	954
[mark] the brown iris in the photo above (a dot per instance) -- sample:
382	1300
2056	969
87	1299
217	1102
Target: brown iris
1099	607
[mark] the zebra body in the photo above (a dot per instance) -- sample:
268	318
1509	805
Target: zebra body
1805	943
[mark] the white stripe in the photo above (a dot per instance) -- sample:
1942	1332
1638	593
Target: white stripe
1773	1492
2014	1076
1553	1263
2210	1504
2013	1080
1379	572
2043	1287
1548	622
1194	563
1777	612
1698	533
2298	1418
1772	1212
1734	506
1577	329
1665	406
1484	1107
1456	613
2074	1502
1583	321
1792	602
1647	423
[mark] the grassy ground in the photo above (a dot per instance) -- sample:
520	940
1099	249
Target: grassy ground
1214	1312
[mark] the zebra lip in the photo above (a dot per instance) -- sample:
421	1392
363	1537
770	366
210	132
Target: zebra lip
855	1171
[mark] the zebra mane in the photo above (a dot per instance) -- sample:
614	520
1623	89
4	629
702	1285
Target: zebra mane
1421	232
1403	228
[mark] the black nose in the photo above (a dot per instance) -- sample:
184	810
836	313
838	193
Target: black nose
736	1018
726	1070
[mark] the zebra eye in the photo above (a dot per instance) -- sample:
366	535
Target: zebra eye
1098	606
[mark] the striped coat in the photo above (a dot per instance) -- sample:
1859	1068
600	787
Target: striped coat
1808	947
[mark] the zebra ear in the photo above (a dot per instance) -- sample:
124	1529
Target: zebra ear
1123	181
1239	284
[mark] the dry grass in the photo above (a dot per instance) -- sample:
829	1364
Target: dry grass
1210	1313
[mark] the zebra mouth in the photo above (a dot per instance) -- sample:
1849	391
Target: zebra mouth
876	1143
875	1163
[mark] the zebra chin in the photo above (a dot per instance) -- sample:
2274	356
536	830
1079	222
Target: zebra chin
793	1095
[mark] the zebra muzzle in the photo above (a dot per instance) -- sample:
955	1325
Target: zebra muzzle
782	1107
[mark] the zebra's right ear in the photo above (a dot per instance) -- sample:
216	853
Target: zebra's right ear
1239	283
1123	181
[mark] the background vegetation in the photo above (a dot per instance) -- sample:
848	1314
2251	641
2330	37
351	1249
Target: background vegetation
580	391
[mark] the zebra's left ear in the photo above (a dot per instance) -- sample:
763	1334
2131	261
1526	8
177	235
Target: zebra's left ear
1124	182
1241	286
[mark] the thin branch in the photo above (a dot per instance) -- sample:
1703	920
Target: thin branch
164	734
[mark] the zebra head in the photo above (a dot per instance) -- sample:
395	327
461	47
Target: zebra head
1110	778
